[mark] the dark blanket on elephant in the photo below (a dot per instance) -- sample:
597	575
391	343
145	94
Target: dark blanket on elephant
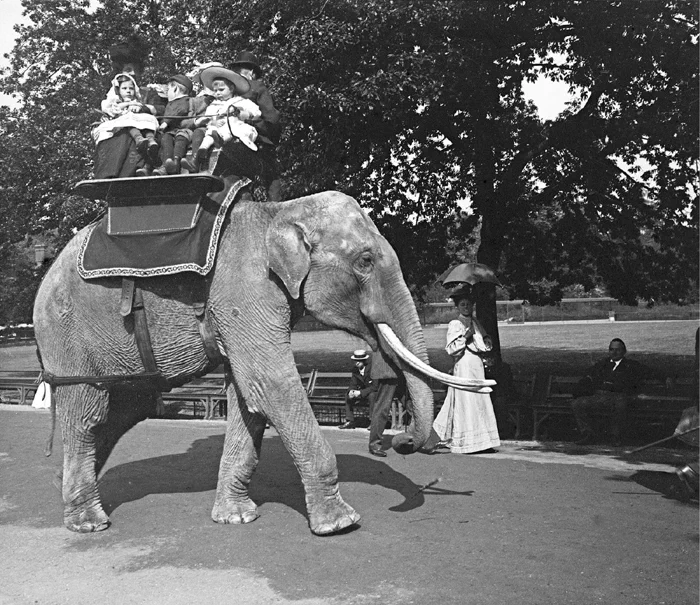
157	253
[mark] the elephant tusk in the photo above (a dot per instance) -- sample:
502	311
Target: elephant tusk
476	386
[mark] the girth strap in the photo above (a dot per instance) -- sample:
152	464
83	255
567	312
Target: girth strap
142	334
127	299
132	304
101	382
206	331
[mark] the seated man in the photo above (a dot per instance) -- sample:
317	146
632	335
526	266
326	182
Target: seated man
608	386
361	386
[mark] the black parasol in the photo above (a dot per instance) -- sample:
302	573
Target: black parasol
468	273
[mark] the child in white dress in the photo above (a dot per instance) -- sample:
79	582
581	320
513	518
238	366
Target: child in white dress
124	109
226	117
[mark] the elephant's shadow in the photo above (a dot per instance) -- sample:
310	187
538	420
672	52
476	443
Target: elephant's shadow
276	479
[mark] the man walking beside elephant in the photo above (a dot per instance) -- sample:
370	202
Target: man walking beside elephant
385	376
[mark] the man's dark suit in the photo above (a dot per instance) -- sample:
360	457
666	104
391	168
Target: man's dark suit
359	382
607	388
385	375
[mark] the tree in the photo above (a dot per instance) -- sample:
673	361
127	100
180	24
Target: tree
18	285
414	107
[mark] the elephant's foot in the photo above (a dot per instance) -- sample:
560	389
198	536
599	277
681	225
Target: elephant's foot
329	514
86	520
240	510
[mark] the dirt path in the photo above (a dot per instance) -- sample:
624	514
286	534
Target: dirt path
528	525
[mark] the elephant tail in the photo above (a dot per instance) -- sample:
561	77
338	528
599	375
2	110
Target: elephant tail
48	449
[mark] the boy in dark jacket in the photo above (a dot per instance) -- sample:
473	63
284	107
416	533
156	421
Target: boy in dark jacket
175	127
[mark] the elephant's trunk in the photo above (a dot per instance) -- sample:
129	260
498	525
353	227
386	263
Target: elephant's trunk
408	333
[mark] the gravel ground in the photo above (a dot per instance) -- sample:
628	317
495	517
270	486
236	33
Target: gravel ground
531	524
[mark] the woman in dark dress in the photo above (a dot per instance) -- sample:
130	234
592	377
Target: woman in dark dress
118	156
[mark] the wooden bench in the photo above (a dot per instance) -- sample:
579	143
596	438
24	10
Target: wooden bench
556	401
517	401
208	394
653	406
10	336
658	406
520	400
326	392
18	386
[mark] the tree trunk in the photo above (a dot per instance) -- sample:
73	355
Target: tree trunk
489	254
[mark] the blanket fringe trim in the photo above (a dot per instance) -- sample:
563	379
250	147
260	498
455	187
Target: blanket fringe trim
168	269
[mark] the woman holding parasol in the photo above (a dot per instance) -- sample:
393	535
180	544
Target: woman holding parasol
466	422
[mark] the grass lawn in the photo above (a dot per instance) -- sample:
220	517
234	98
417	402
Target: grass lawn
563	348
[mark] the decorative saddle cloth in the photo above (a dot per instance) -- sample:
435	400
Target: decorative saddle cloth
154	226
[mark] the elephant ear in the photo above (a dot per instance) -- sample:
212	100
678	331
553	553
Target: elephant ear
289	251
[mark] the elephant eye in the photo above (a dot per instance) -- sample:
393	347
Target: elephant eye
364	262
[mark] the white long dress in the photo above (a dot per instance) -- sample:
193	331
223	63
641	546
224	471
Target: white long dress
466	420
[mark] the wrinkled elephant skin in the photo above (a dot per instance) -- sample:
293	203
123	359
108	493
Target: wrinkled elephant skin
321	253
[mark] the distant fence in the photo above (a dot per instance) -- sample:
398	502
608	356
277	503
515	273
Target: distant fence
569	309
20	335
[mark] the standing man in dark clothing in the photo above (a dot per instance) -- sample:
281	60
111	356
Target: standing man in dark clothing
361	386
608	386
385	376
268	125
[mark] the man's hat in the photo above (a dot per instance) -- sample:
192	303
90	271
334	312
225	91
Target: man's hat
360	355
184	80
248	59
210	74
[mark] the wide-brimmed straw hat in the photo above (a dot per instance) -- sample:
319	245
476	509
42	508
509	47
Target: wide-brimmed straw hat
210	74
195	74
360	355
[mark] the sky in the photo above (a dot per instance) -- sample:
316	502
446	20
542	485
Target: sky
549	97
11	11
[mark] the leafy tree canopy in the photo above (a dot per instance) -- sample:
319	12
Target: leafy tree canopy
413	108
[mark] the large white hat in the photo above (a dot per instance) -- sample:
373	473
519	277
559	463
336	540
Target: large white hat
360	355
210	74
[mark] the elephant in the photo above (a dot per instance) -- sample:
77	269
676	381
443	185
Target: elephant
320	254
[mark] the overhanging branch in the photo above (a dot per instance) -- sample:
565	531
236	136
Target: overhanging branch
555	132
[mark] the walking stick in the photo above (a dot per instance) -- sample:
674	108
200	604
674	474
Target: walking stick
644	447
